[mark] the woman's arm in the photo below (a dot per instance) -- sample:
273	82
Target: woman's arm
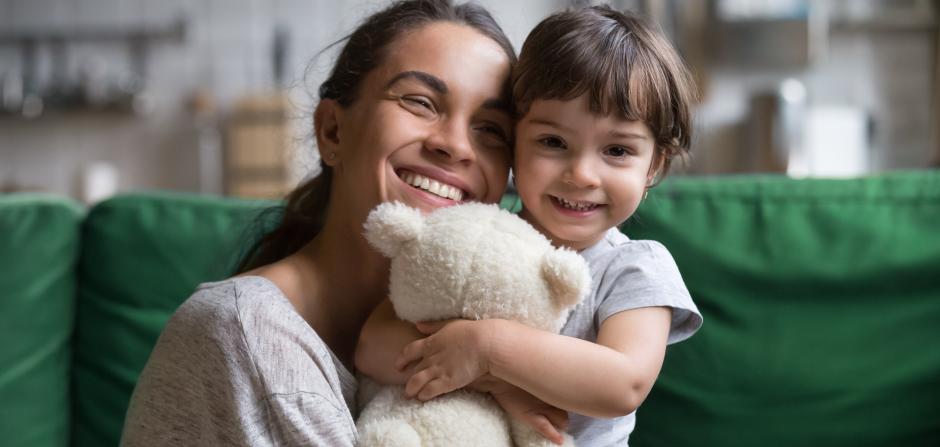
384	336
605	379
381	340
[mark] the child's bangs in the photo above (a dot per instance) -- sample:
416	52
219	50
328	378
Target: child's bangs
617	76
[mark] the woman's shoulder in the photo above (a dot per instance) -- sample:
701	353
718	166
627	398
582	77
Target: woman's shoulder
249	321
222	305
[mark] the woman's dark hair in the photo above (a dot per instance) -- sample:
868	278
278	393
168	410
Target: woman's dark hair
304	213
620	61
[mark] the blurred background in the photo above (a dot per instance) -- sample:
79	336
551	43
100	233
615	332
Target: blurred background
99	97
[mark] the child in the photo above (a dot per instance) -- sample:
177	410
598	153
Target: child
603	108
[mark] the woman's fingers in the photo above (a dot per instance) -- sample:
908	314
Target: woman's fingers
544	427
558	418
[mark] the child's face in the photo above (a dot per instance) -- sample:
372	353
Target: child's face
579	173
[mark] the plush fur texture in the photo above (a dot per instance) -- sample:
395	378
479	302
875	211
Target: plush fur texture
470	261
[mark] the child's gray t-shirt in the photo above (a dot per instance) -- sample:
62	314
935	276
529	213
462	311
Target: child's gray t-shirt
626	274
236	365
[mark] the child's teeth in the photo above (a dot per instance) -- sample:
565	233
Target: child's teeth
576	206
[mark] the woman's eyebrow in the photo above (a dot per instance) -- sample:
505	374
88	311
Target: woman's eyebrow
433	82
497	104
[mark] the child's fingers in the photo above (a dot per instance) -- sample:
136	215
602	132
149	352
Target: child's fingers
433	389
418	381
410	353
544	427
430	327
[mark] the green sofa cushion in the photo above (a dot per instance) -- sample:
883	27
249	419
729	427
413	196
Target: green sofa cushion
38	252
143	255
821	301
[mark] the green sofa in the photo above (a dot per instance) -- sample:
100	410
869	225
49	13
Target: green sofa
821	301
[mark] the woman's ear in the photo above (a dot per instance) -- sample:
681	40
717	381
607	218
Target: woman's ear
326	124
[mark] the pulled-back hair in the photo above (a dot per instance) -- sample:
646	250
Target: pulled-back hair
304	213
620	62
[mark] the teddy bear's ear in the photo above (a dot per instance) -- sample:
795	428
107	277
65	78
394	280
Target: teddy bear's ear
391	225
567	276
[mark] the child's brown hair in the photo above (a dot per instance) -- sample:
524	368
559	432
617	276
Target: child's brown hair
620	61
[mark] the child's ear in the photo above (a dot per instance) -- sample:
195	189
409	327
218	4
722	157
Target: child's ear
659	159
326	125
567	276
391	225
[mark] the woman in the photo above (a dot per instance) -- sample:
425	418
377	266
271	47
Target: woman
418	91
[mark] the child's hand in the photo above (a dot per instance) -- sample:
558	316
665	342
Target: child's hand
451	357
547	420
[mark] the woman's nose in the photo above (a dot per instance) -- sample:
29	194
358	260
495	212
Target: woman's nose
451	140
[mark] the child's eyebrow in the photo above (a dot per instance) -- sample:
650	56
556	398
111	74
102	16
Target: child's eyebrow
628	135
614	133
433	82
550	123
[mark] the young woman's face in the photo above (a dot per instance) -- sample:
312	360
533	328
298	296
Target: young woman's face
430	126
579	173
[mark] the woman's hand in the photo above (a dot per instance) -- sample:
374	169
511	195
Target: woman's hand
452	356
547	420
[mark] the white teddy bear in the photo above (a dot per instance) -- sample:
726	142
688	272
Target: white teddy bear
470	261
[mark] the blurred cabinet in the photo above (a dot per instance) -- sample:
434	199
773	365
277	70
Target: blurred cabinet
256	140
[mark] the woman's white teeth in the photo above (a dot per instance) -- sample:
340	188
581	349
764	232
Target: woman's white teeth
433	186
577	206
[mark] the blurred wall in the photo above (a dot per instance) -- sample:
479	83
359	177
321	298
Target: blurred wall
879	57
226	54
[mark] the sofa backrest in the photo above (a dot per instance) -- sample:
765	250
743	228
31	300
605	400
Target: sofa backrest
39	246
821	301
142	256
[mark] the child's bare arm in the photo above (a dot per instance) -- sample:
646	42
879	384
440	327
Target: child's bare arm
607	379
380	342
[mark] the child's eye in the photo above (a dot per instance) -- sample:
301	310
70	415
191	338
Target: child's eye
553	142
617	151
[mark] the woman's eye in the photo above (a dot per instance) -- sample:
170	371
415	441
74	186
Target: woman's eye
495	130
493	135
418	104
553	142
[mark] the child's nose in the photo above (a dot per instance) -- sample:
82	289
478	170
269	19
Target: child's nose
581	173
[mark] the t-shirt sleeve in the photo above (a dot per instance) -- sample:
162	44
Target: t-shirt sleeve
644	274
